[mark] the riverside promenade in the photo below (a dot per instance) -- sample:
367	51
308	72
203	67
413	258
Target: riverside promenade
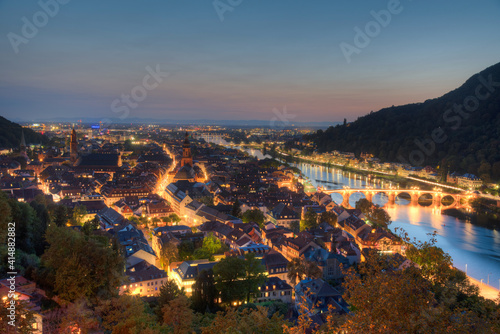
485	290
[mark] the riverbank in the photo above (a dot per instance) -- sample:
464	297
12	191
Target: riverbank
485	290
400	180
473	218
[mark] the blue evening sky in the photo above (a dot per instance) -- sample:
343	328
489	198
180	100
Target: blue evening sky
263	55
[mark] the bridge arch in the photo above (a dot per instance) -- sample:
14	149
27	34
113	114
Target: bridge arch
355	196
347	197
337	197
448	200
380	198
425	199
403	198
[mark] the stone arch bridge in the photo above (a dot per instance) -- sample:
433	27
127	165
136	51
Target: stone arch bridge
460	200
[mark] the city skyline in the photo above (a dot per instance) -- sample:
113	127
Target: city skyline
241	62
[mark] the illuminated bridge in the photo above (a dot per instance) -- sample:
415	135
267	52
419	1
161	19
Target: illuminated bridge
460	200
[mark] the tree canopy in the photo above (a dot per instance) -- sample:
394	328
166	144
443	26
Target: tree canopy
310	220
255	216
238	278
81	266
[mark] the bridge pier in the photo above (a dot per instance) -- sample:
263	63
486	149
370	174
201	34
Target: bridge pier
414	199
345	199
369	196
436	200
392	198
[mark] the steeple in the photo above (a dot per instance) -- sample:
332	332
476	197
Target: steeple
187	158
73	147
23	141
23	144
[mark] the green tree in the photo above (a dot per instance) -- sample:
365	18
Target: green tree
254	275
228	274
186	250
238	278
364	206
255	216
81	266
91	225
174	218
169	253
310	220
78	215
168	291
204	292
328	217
41	222
212	244
379	217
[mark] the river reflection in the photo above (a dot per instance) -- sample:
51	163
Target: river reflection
474	246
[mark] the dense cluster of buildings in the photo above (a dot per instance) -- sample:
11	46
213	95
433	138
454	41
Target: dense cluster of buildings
166	195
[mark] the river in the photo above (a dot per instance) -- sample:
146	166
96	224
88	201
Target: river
473	248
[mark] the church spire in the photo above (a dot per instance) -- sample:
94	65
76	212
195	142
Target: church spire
187	158
73	148
23	141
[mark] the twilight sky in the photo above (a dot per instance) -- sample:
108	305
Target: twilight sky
86	59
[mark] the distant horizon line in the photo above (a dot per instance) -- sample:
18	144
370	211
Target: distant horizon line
136	120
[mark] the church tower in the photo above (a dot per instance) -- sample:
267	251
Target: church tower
73	148
23	145
187	158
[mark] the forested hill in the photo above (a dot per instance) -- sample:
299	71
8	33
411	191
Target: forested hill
10	135
467	141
